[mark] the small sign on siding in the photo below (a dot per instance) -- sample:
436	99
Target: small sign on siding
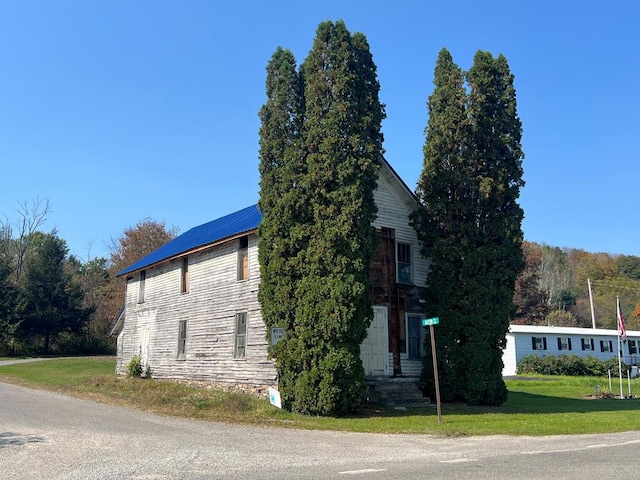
277	334
274	397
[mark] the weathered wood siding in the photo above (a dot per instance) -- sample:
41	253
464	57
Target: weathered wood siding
395	205
394	209
209	307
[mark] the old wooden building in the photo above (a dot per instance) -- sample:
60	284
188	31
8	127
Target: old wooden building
192	311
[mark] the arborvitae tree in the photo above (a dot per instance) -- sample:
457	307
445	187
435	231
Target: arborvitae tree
320	368
283	206
441	222
469	192
53	299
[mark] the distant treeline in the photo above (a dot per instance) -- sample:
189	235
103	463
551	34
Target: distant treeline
553	288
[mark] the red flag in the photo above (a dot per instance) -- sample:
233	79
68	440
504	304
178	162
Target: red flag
622	327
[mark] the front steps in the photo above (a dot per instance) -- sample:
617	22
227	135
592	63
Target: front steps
400	393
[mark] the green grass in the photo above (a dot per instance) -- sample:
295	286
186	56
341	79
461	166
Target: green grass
538	406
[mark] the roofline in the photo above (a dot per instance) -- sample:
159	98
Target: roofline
568	330
189	252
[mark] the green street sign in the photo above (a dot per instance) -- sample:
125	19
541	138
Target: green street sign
427	322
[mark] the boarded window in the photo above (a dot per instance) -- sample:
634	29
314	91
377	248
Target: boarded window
240	338
243	258
141	286
182	339
184	276
404	263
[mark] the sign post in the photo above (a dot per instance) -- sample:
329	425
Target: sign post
430	322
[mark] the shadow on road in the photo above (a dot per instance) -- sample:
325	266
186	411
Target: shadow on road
8	439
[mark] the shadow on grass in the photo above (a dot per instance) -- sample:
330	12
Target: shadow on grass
517	402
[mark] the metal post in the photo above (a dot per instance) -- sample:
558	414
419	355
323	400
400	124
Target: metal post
435	372
593	315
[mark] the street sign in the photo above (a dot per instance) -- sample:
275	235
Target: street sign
427	322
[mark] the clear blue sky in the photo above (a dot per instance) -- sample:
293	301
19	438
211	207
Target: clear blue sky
120	110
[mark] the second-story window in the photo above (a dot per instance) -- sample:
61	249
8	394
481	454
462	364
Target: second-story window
141	282
243	258
405	274
184	276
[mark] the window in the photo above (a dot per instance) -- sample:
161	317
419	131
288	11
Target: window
141	282
184	276
243	258
415	336
404	263
182	339
633	347
606	346
240	339
564	343
587	344
539	343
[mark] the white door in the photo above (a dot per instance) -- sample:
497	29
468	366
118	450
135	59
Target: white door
374	351
144	347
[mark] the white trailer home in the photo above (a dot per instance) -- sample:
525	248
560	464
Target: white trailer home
524	340
192	311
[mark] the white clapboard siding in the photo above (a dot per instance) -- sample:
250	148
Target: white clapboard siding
395	205
209	307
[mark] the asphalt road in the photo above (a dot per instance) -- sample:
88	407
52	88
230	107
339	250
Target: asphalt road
48	436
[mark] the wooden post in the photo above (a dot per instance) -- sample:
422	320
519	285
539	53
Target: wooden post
435	372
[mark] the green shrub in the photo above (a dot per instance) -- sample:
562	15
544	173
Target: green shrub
134	368
569	365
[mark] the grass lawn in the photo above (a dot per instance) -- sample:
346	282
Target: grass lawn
536	406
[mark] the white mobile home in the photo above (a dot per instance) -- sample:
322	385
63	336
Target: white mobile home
524	340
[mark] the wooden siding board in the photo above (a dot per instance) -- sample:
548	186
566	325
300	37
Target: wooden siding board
214	297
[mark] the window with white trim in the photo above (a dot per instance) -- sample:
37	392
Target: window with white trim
182	339
415	336
564	343
539	343
587	344
606	346
405	267
240	337
633	347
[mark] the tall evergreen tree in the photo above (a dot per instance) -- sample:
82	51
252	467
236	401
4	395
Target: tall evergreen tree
330	217
11	304
470	223
283	206
53	300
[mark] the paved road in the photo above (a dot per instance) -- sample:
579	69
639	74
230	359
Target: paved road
48	436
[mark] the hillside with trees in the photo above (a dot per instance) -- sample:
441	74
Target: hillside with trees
553	288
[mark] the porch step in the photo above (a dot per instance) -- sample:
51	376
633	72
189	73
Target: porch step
397	392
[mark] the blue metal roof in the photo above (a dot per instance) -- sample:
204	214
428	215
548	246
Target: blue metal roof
242	221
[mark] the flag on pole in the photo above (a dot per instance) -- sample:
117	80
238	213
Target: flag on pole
622	327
